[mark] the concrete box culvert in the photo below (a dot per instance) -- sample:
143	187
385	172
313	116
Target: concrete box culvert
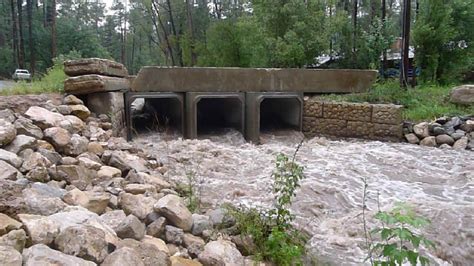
267	111
157	111
208	112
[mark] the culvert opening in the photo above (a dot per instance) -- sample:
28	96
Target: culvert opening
162	115
218	115
280	114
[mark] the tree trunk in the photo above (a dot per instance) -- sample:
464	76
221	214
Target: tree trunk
354	33
21	43
173	29
384	53
53	29
191	33
405	43
14	32
29	7
165	34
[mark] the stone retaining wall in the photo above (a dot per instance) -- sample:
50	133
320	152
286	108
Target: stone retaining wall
358	120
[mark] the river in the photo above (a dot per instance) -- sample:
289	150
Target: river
438	183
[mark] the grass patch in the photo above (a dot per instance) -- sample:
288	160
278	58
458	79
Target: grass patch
425	102
53	81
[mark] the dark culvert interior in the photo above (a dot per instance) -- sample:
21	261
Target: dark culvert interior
157	115
216	115
280	113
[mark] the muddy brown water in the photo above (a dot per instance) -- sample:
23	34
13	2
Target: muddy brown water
438	183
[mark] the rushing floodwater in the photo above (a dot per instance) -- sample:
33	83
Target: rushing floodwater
438	183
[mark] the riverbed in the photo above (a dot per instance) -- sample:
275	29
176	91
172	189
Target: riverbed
438	183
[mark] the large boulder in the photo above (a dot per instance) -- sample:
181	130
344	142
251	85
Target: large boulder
84	241
221	252
113	218
8	224
76	175
80	111
131	227
44	118
76	145
7	132
422	130
149	253
11	199
126	161
43	255
428	141
444	139
43	199
93	201
40	229
35	160
94	66
57	136
20	143
173	208
15	239
73	124
138	205
8	172
10	256
26	127
462	95
10	158
124	257
94	83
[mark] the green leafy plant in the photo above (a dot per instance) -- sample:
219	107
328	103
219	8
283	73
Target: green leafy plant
271	230
398	241
190	191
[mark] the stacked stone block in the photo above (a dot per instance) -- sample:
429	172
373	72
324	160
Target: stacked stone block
101	83
359	120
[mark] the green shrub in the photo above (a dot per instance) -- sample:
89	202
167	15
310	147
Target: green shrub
425	102
397	242
271	230
52	81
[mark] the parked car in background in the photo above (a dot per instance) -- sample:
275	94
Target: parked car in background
21	74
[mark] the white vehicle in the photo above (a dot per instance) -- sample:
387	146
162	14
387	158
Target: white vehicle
21	74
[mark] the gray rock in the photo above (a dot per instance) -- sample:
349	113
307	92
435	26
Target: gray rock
444	139
43	118
84	241
461	144
454	122
439	131
150	254
35	160
9	172
422	130
131	227
88	163
463	95
220	217
194	244
10	158
10	256
8	224
38	174
64	109
15	239
20	143
93	201
7	133
468	126
126	161
201	223
173	208
428	141
457	135
52	156
76	146
94	66
221	252
40	229
11	198
73	124
7	115
156	228
174	235
113	218
138	205
43	201
43	255
412	138
75	175
58	137
124	257
445	146
107	172
26	127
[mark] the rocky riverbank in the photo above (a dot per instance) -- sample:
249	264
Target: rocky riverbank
72	194
445	132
